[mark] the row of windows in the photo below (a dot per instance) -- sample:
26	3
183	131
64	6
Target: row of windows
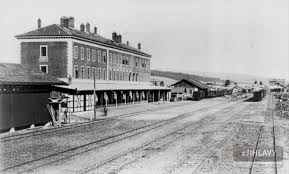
127	76
123	60
89	72
96	55
113	58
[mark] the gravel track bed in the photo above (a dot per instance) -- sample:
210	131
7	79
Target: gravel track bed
41	146
245	138
158	147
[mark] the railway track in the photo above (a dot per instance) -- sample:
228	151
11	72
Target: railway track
91	146
176	135
201	162
55	129
269	118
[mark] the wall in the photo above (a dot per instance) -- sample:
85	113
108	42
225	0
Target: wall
23	109
57	57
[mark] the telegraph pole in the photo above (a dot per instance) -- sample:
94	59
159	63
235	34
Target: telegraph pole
94	101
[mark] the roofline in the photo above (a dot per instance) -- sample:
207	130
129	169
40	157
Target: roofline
83	39
189	82
33	83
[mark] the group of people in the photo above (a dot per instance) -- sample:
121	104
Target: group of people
57	105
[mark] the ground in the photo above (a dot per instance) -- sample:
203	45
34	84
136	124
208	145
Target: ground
182	137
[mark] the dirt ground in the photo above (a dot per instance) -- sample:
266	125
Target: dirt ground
200	137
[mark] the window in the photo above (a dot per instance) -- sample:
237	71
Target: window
93	55
99	73
99	56
82	53
44	68
93	72
88	72
114	59
104	56
75	52
113	75
76	75
117	59
110	57
120	75
104	73
88	53
82	72
43	50
110	74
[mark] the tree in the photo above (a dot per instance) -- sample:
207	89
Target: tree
261	83
227	82
236	83
255	82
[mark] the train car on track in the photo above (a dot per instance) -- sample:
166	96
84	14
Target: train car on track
198	95
258	95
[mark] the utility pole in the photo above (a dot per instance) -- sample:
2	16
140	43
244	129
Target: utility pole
94	101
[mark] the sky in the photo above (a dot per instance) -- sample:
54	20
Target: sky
231	36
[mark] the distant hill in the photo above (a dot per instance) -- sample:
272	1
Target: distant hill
179	76
236	77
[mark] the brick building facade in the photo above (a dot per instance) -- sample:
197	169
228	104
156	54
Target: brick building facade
63	51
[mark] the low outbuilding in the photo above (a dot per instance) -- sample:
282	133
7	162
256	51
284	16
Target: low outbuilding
185	88
24	94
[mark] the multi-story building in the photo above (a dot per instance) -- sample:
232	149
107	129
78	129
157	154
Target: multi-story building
122	72
63	51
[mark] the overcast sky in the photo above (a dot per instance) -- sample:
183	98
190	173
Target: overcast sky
236	36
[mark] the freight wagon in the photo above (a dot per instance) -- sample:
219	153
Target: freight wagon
259	95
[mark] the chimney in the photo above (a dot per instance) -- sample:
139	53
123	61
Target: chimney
82	27
39	23
139	46
88	27
127	42
69	79
67	22
95	30
114	36
71	22
119	38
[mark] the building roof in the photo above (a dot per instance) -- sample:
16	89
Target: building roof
193	83
104	85
18	74
58	30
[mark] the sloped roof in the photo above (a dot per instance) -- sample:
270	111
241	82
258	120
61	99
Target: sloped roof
193	83
58	30
18	74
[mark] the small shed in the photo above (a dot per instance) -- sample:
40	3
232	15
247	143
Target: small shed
24	93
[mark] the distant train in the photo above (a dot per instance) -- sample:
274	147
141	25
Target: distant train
198	95
259	95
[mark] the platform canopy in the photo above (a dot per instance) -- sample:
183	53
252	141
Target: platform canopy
105	85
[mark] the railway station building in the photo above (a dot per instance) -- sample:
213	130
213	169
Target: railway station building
185	88
77	56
